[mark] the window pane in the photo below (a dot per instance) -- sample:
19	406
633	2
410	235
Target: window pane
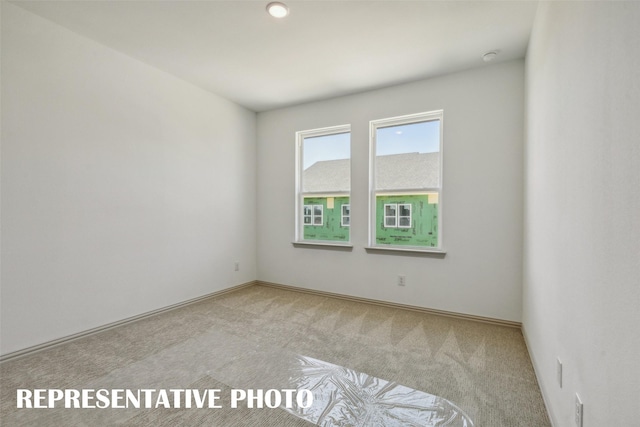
326	163
407	167
404	215
345	217
408	156
390	210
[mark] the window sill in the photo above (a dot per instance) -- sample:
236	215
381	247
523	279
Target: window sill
399	250
323	245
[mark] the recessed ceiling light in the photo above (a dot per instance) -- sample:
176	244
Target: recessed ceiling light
277	9
489	56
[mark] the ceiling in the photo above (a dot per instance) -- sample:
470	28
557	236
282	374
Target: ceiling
322	49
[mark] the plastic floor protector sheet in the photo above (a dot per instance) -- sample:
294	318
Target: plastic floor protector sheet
345	397
341	396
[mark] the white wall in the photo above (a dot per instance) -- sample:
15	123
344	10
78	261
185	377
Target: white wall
124	189
582	241
483	147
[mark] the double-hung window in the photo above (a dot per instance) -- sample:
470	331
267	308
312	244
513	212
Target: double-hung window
397	215
313	215
345	219
406	182
323	185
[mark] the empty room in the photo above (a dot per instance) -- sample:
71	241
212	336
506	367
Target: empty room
333	213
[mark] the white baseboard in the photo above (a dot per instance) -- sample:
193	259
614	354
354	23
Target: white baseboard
59	341
481	319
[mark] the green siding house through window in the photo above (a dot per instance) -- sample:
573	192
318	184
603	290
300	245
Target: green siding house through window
423	229
331	228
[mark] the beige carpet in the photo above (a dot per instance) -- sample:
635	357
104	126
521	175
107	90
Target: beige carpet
483	369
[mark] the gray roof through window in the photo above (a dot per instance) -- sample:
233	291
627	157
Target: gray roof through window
396	171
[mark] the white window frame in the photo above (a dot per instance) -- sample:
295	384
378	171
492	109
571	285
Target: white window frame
397	216
374	125
343	216
314	215
305	216
394	216
300	195
403	216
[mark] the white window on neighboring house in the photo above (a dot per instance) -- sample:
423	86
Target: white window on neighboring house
317	215
390	215
397	215
308	214
313	215
345	219
404	215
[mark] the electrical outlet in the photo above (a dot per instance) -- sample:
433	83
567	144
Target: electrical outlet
578	411
559	372
402	280
236	266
